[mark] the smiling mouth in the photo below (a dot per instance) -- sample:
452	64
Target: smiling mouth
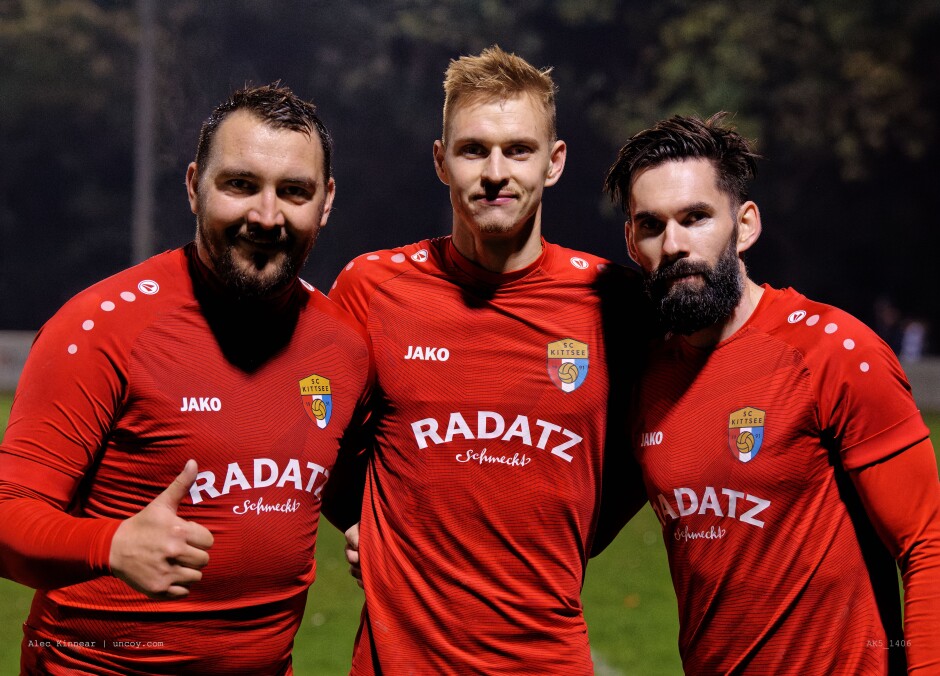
269	246
495	200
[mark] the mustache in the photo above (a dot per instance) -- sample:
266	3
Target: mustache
274	236
679	268
491	190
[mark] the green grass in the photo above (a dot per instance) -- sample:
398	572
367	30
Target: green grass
628	600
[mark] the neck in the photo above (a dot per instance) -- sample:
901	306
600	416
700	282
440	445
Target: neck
711	336
499	253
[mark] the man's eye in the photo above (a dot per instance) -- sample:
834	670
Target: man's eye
296	192
519	151
473	150
239	184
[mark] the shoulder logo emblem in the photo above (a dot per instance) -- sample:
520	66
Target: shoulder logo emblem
317	398
420	256
579	262
746	432
796	317
567	363
148	287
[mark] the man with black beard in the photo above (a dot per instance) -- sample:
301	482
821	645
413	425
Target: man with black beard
779	442
684	309
215	358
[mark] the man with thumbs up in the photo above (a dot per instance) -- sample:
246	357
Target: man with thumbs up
214	359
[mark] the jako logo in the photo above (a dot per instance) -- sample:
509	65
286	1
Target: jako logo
201	404
428	353
651	439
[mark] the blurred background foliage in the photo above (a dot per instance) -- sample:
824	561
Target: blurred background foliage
840	95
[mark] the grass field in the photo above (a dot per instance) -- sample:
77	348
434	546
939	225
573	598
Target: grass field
628	600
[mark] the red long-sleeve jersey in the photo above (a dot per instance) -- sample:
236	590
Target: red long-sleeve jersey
755	454
482	495
131	378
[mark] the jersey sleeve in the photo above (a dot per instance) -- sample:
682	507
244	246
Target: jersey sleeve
623	494
65	401
909	526
865	401
351	290
629	336
343	494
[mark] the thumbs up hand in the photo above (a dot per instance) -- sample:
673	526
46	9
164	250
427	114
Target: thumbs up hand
158	553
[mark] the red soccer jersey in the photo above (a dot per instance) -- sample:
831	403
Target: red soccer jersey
126	382
482	494
745	450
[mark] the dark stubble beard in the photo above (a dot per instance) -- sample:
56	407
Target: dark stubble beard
684	309
243	283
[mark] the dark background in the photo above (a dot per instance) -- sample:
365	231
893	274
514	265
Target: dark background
841	97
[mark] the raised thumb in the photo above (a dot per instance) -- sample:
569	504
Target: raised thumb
179	487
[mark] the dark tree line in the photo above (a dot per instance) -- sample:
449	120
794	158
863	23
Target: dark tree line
842	97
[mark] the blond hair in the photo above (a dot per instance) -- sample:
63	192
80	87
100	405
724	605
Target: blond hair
496	75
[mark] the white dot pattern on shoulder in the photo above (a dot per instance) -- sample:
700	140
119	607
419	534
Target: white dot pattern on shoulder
398	258
373	257
829	328
350	264
145	286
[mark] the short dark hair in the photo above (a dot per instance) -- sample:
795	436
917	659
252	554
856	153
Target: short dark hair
276	106
680	138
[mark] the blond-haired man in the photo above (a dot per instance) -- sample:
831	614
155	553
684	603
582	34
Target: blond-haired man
492	349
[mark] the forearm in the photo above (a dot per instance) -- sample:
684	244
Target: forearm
902	498
45	548
920	570
921	577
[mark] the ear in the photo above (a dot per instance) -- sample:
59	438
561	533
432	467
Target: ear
192	187
328	203
631	244
439	153
556	162
749	225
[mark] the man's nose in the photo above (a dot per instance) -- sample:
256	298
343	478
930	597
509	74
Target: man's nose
674	240
496	167
266	210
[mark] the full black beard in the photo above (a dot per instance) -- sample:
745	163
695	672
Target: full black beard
247	286
243	284
684	310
